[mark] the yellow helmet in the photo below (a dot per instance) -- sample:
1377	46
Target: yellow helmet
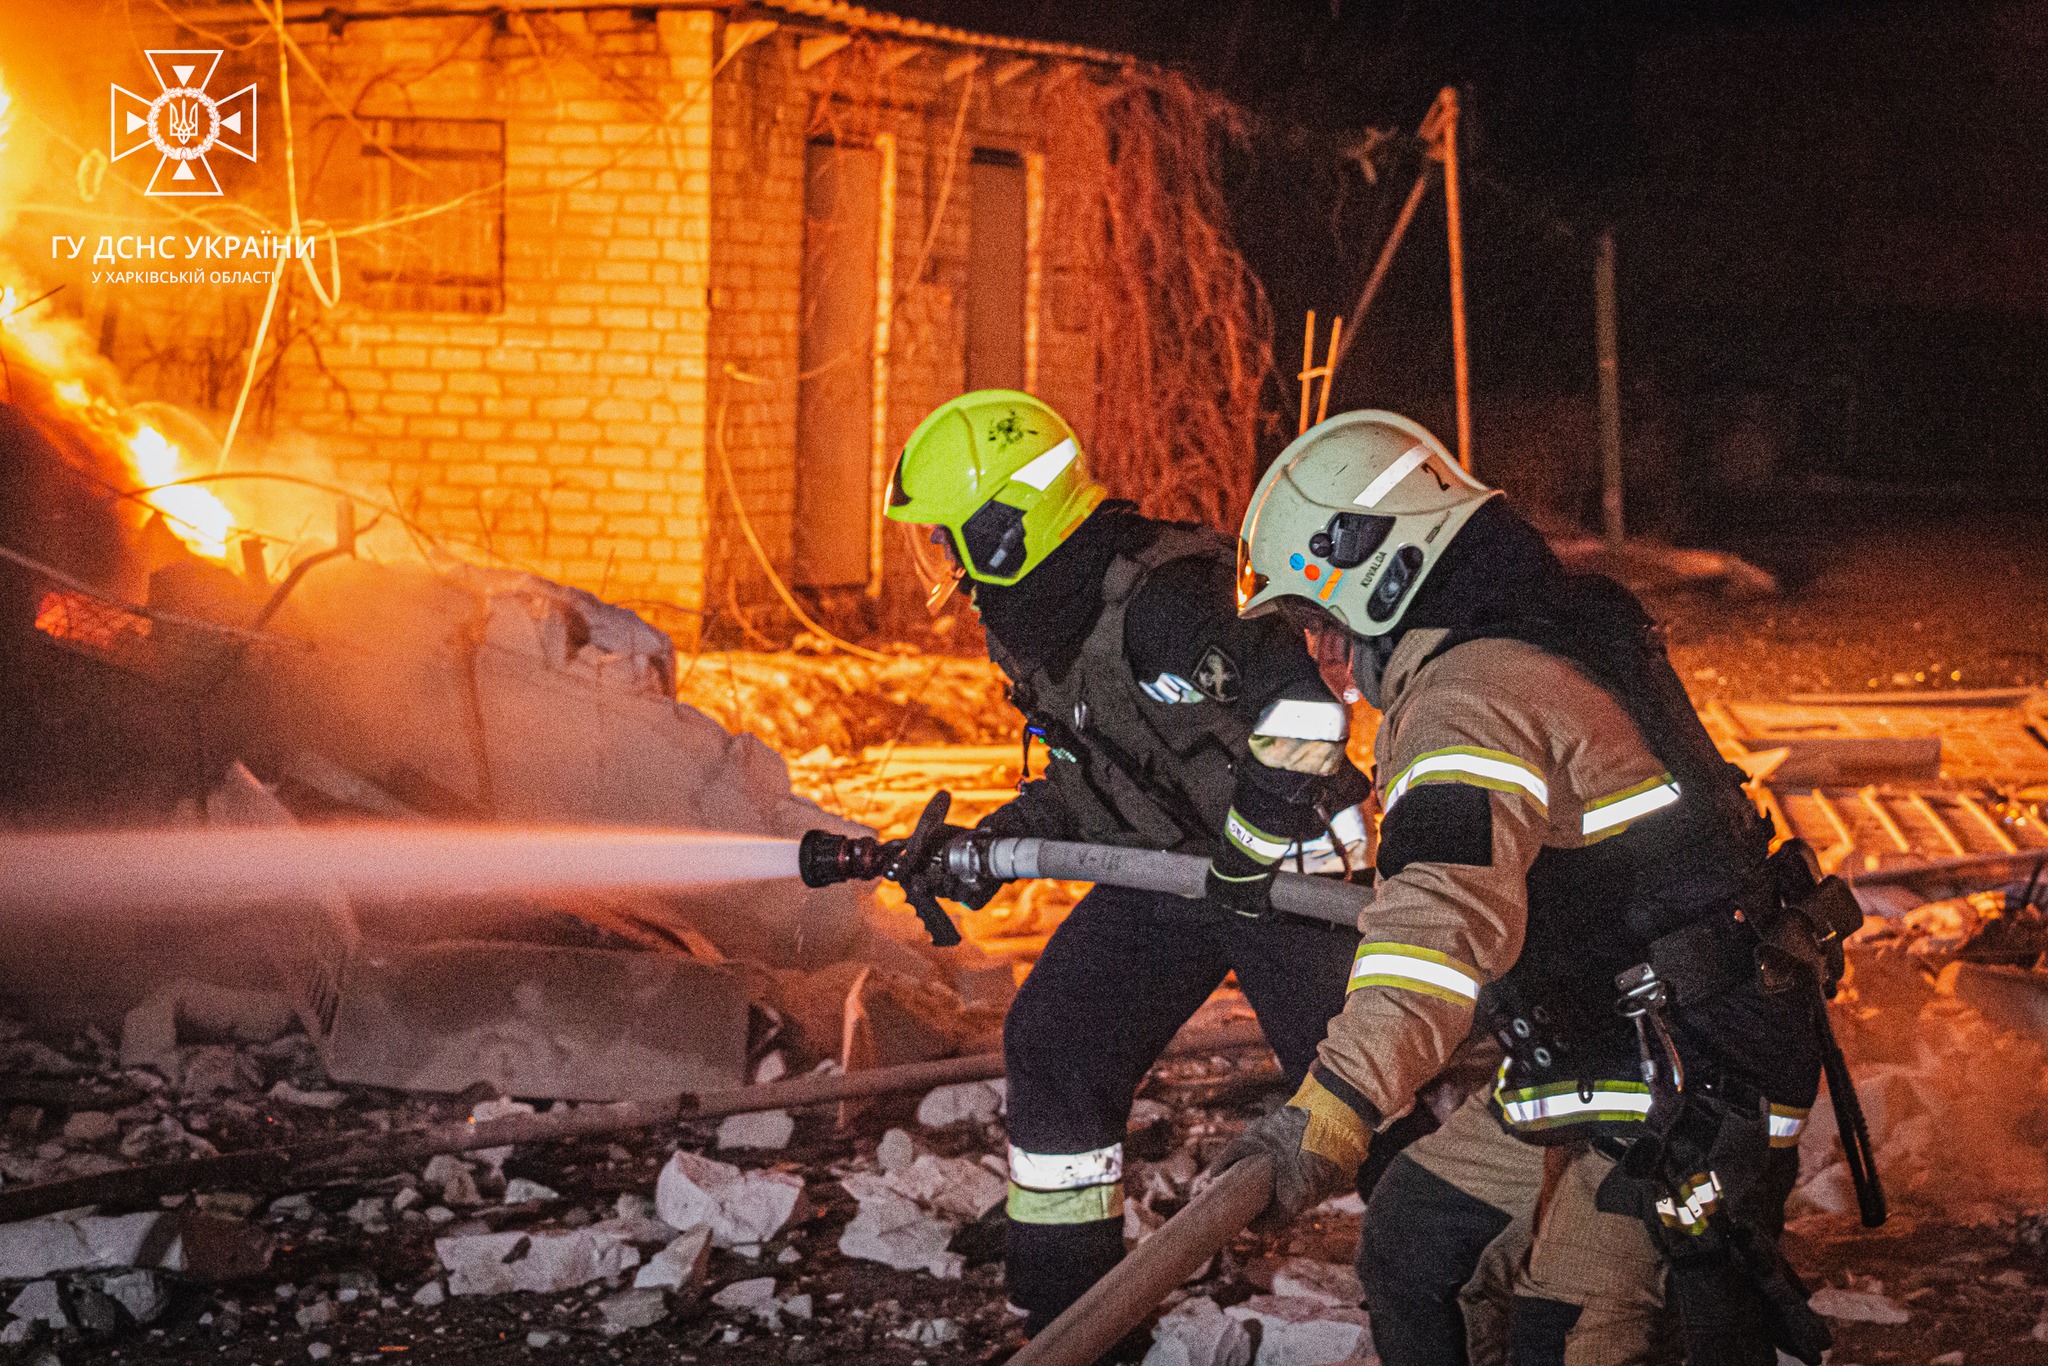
1351	518
1003	474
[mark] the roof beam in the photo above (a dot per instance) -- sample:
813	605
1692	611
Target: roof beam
961	66
812	51
1010	71
745	33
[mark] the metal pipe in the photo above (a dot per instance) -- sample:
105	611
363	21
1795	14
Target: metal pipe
1148	870
1124	1298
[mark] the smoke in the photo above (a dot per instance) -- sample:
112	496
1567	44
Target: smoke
1957	1106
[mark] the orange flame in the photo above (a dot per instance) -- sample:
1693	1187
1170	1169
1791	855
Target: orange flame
76	373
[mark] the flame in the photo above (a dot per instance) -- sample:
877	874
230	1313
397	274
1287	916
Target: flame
77	378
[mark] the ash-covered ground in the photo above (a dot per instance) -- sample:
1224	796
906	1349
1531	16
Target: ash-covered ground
360	1269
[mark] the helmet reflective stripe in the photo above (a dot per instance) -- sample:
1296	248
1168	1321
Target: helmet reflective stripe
1393	474
1289	719
1546	1107
1048	467
1489	768
1409	968
1611	815
1786	1121
1308	533
1066	1171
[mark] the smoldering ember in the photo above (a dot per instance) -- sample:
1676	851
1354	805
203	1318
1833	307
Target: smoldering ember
1201	683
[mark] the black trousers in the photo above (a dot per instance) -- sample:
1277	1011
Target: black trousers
1116	980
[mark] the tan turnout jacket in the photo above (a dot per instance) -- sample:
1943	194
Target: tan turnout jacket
1562	765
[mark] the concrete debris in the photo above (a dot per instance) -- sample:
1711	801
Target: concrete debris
743	1209
679	1265
203	1246
929	1332
452	1178
318	1351
893	1229
369	1213
953	1186
1297	1332
544	1262
972	1102
39	1302
1333	1283
755	1296
1146	1113
631	1309
289	1094
896	1151
150	1032
18	1333
760	1129
1196	1332
321	1313
429	1295
519	1191
539	1338
1857	1306
90	1126
140	1293
299	1206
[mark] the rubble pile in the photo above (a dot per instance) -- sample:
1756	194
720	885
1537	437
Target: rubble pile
840	1243
803	703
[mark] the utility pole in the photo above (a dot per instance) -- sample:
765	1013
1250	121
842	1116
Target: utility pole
1610	389
1448	101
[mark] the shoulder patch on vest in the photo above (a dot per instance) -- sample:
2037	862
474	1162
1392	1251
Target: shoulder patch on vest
1217	676
1438	823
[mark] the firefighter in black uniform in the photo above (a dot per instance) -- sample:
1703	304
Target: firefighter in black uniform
1170	724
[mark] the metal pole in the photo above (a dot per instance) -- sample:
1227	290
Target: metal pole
1454	226
1610	389
1381	266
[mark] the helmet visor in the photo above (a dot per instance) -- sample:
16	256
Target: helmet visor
1250	582
933	560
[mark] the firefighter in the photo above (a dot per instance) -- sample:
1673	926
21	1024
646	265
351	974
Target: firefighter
1169	724
1564	856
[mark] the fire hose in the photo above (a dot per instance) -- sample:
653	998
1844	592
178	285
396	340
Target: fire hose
825	858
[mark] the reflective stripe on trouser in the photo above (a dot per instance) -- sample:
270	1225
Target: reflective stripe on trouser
1066	1188
1114	982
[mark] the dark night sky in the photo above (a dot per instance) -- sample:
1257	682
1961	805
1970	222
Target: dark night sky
1829	215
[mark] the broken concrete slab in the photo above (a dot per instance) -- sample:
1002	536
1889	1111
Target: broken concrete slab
631	1309
187	1010
972	1102
895	1230
564	1023
452	1179
1856	1306
682	1263
1196	1332
90	1126
755	1296
759	1129
544	1262
519	1191
39	1302
955	1186
1334	1283
896	1151
743	1209
140	1293
201	1245
1298	1332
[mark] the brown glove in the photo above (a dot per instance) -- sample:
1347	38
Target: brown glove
1317	1143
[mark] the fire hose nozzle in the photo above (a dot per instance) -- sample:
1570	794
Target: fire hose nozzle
824	859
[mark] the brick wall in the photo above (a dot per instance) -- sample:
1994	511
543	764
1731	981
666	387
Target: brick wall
765	112
652	238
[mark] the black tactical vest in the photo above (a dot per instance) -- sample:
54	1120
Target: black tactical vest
1666	891
1131	770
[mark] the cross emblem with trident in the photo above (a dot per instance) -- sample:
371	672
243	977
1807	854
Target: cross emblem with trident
184	123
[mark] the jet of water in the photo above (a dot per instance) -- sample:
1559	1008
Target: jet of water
220	868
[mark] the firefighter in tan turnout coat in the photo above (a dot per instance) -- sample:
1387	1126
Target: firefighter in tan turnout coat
1566	863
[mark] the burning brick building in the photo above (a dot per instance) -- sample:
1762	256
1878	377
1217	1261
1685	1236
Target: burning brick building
603	270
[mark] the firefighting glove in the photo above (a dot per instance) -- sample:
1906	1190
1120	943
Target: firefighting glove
1316	1141
1248	894
972	889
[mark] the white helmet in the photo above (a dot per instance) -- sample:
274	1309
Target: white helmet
1351	518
